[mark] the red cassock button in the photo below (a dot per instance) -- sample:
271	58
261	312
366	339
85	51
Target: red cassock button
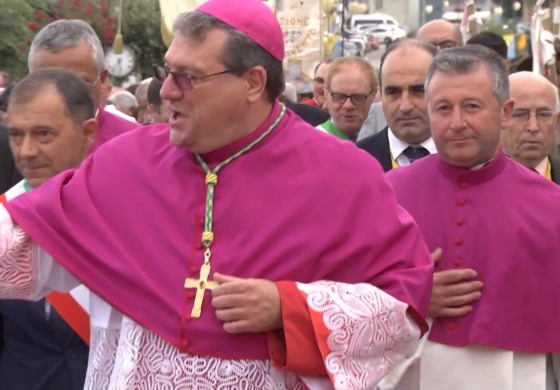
185	343
460	221
198	245
191	294
200	221
461	202
458	263
458	241
193	271
463	184
451	325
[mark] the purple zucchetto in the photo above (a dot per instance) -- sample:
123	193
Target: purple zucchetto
253	18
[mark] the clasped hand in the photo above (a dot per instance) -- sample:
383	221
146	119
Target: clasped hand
247	305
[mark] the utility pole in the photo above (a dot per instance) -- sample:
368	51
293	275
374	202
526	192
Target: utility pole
342	22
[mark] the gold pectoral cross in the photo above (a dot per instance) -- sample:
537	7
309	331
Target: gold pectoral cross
201	284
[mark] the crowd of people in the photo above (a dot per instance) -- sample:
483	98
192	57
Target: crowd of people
206	230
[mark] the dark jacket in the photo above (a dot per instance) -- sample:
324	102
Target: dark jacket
9	176
378	146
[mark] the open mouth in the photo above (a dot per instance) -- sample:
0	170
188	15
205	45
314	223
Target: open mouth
174	116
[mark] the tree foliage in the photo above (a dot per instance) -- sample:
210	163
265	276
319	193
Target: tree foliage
16	34
21	20
141	23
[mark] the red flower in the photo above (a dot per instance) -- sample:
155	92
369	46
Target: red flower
32	25
89	10
76	4
61	3
103	6
40	14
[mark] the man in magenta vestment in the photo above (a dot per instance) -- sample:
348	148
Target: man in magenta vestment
74	46
494	305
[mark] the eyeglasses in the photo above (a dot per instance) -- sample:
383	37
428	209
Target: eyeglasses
445	44
357	98
542	116
183	80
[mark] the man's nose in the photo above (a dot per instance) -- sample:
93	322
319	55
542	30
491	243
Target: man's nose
28	147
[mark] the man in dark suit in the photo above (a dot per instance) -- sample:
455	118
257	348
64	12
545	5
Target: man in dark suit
309	113
529	137
407	136
9	176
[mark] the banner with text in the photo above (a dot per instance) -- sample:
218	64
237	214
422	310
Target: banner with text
301	23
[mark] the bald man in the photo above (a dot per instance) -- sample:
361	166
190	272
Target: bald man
530	135
441	33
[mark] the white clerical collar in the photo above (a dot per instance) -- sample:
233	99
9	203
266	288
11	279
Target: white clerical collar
542	167
397	147
480	166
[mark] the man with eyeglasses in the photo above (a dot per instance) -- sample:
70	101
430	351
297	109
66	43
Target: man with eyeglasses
319	77
495	302
440	33
407	136
529	136
349	88
236	240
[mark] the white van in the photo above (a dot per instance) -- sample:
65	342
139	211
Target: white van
359	22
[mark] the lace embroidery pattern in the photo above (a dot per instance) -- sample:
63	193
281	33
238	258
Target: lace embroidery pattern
135	358
16	266
370	331
102	352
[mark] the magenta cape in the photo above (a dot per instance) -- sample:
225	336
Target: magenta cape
109	127
300	206
502	221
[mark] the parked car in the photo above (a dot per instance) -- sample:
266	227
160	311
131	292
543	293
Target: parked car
361	41
386	34
357	21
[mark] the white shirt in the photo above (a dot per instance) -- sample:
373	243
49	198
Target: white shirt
397	147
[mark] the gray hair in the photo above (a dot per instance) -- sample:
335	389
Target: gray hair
74	92
466	59
62	34
123	99
240	54
141	93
